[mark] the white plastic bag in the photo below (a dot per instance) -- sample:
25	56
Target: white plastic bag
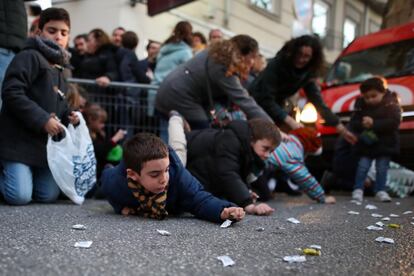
72	161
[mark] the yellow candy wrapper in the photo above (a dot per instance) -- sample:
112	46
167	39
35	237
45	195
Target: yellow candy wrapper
311	252
394	225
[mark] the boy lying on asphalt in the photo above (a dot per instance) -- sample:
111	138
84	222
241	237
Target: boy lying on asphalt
152	182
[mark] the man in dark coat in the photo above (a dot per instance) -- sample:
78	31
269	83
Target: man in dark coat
33	104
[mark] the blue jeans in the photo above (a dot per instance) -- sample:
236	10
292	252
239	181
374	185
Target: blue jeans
381	167
6	57
18	182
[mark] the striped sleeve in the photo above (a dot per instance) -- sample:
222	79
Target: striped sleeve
289	158
298	172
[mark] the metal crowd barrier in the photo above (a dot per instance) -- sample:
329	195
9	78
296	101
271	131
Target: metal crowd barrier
126	104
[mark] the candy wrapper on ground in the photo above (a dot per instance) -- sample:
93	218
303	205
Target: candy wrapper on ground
226	260
294	259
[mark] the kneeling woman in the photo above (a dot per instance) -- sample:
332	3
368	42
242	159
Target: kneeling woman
211	76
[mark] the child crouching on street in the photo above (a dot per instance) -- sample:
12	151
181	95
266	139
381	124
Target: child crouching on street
152	182
289	157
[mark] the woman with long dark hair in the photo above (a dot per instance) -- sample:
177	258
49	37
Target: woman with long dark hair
212	75
294	67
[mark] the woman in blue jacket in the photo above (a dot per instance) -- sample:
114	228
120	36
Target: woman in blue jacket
176	50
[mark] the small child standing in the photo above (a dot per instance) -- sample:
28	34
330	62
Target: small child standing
376	121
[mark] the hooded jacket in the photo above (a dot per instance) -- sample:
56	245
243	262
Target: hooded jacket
387	118
222	159
170	56
184	194
128	67
32	90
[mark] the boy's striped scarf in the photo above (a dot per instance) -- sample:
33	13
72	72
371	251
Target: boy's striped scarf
150	205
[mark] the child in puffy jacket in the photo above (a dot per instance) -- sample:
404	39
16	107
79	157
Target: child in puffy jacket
376	121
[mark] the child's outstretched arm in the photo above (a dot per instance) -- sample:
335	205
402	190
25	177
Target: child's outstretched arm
297	171
192	198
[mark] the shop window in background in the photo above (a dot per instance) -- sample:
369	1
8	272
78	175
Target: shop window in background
350	31
263	4
320	18
269	8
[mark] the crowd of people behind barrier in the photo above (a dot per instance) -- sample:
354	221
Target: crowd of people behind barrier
206	87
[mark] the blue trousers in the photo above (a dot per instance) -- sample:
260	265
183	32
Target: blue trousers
381	167
19	182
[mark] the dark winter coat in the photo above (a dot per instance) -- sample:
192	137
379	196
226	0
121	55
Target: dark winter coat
222	159
32	90
13	24
278	81
145	64
184	194
75	61
102	63
387	118
128	67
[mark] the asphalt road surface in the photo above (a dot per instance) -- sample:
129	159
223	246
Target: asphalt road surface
39	240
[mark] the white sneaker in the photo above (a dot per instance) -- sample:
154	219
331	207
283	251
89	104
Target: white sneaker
358	195
383	196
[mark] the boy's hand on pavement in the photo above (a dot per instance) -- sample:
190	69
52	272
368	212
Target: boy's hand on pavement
261	209
53	127
233	213
330	200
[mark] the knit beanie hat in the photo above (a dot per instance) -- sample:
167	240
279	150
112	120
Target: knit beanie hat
309	138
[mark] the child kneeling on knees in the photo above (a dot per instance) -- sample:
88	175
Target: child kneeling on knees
152	182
